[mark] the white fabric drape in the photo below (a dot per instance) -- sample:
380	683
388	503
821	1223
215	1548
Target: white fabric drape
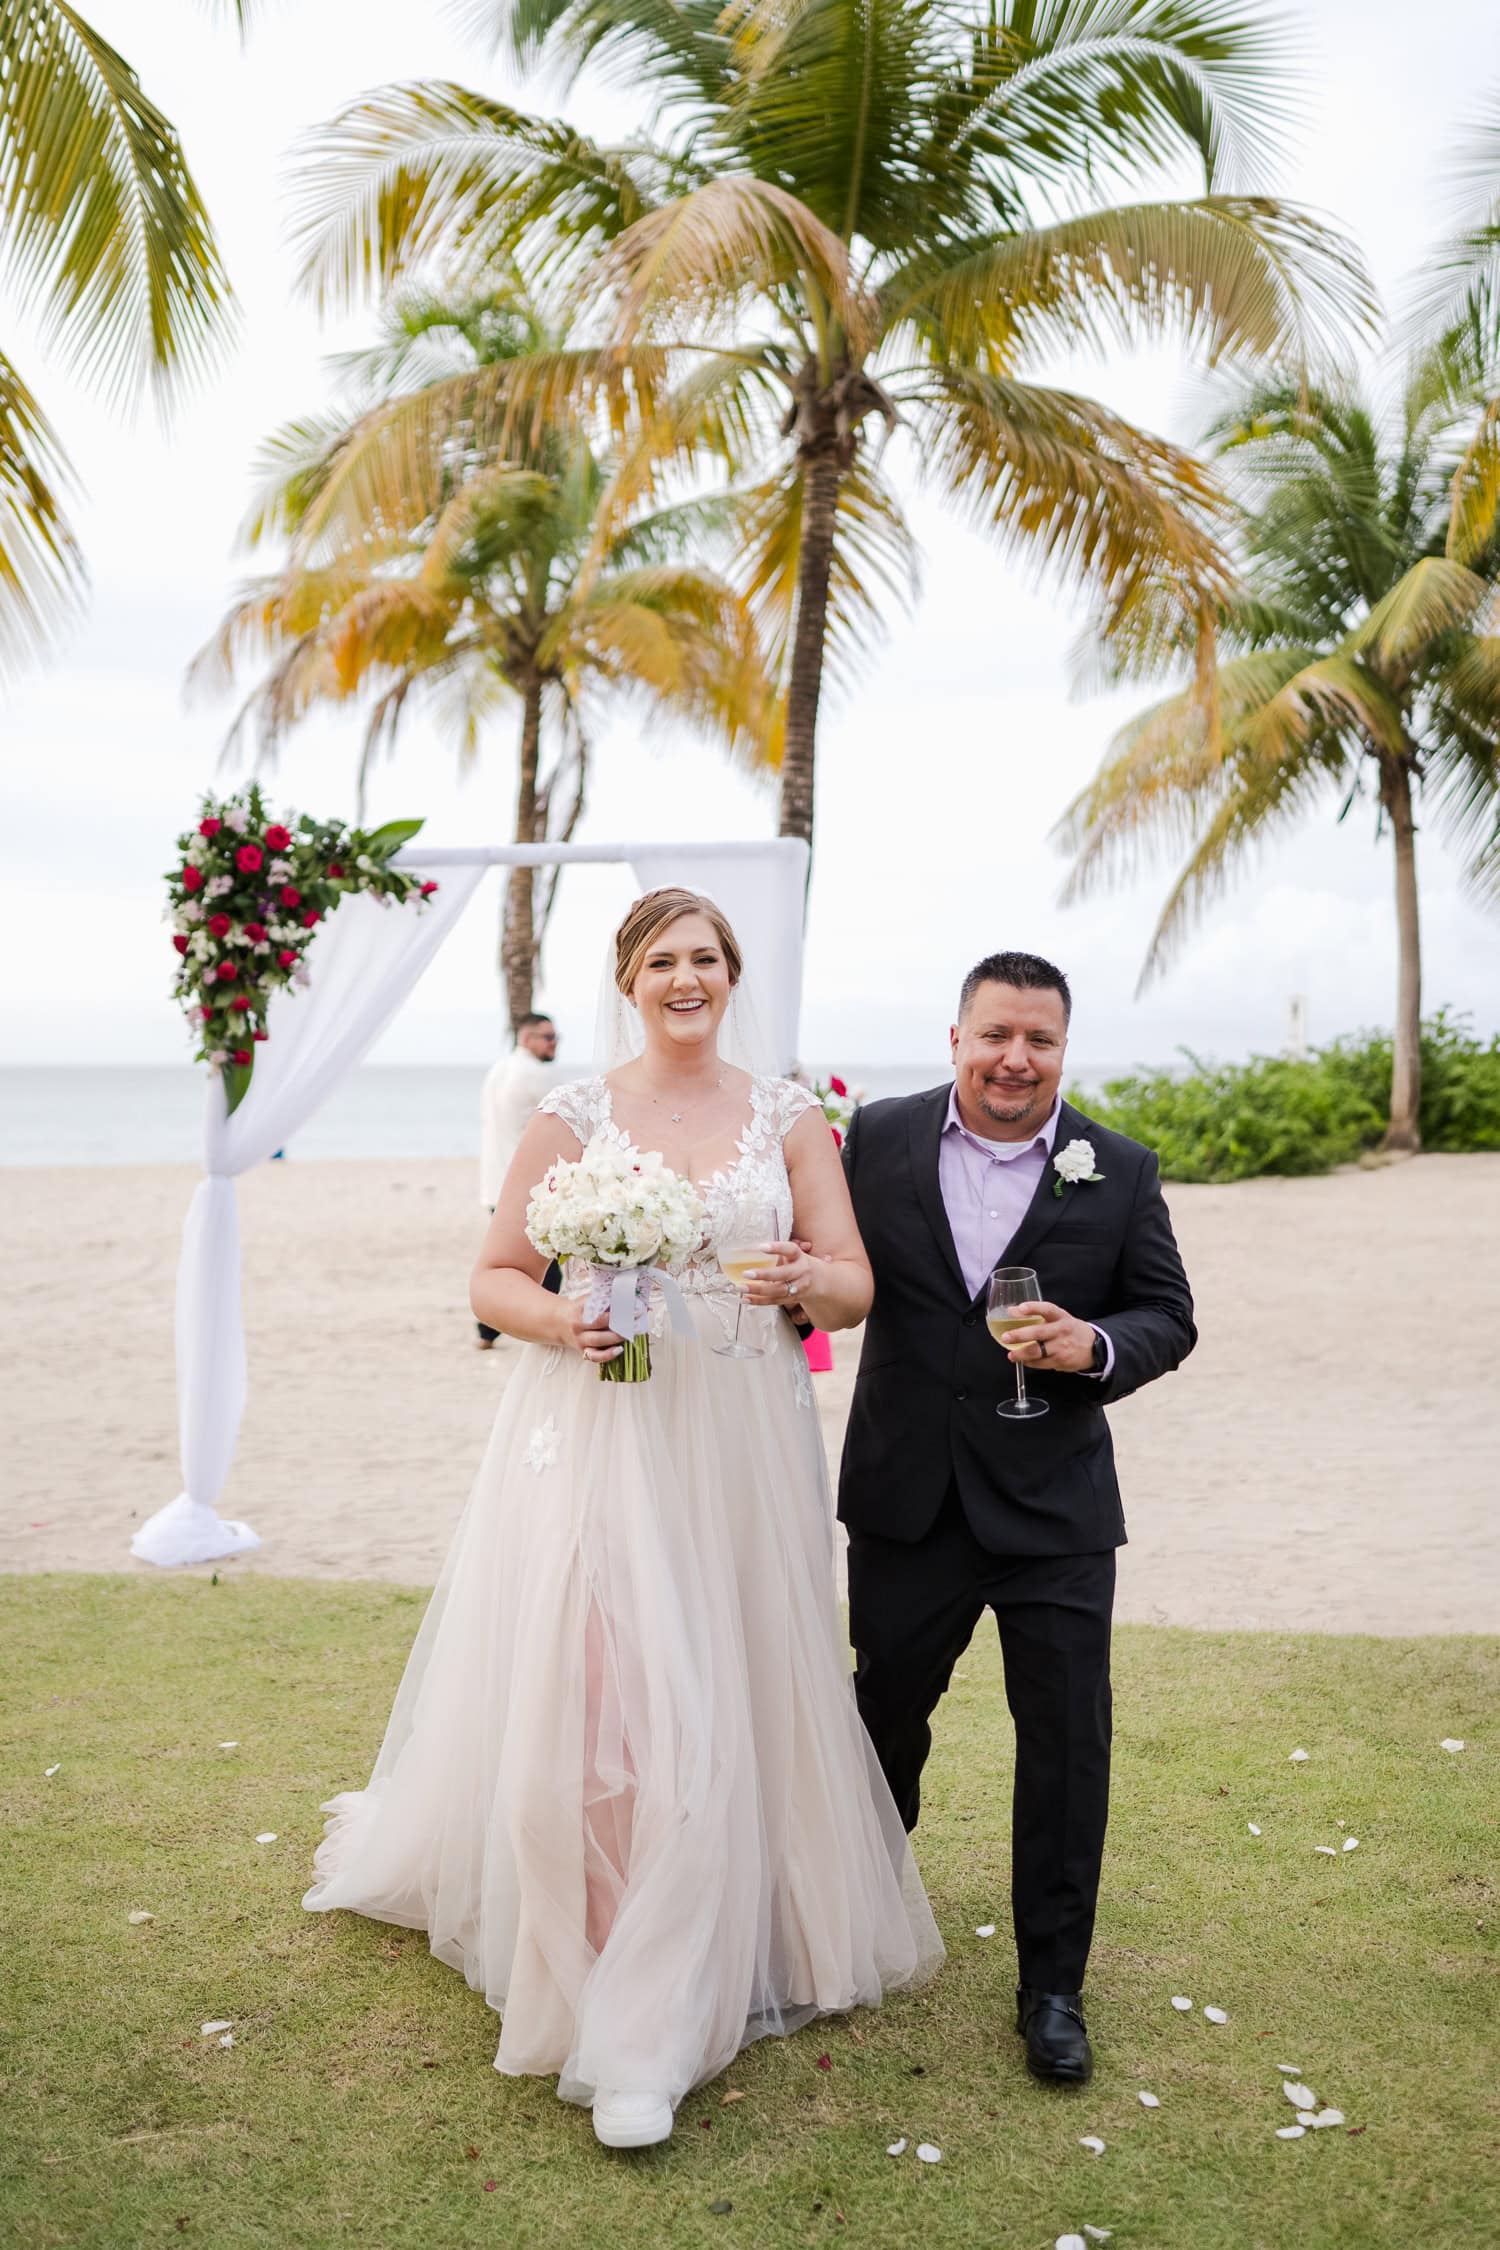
761	888
364	962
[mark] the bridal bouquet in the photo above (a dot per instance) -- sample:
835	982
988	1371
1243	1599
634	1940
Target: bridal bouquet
617	1209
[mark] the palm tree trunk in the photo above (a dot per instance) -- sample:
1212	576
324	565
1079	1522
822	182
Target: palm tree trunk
518	940
814	569
1404	1133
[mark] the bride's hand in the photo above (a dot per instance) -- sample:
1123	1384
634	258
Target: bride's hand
592	1339
787	1271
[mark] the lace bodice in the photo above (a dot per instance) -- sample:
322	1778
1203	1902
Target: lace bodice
755	1174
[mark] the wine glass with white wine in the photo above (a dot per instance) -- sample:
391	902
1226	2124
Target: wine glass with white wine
1010	1286
743	1247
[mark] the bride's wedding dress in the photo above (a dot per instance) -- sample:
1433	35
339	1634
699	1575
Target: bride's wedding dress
624	1787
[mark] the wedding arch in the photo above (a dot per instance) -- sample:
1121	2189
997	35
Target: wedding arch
363	963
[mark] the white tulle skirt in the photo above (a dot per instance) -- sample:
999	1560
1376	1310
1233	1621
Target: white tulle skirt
625	1788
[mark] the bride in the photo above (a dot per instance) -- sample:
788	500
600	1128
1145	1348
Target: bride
624	1787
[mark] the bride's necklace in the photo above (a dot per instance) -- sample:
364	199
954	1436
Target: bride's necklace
677	1115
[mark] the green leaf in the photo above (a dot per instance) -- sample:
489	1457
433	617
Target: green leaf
236	1083
391	837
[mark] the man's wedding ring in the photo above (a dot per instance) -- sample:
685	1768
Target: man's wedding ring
1041	1345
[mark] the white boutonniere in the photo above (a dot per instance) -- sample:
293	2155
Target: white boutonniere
1075	1162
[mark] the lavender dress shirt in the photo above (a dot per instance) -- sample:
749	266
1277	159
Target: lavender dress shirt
987	1187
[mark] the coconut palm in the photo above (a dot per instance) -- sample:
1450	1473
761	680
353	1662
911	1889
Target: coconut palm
857	211
109	249
1361	659
533	581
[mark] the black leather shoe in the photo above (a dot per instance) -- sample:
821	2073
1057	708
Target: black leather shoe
1056	2036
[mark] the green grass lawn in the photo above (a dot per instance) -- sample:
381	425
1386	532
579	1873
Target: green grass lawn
358	2105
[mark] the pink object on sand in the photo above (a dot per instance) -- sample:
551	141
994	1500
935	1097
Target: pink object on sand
819	1350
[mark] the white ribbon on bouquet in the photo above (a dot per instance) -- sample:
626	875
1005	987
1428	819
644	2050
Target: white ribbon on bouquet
627	1295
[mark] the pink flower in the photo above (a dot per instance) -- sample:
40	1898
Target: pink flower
247	859
278	837
192	878
209	827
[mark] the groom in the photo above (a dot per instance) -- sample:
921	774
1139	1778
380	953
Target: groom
952	1510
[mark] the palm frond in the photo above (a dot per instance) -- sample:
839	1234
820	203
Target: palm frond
1475	517
41	570
1433	598
106	234
1457	303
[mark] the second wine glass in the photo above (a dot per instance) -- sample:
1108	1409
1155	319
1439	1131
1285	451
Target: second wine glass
744	1240
1010	1286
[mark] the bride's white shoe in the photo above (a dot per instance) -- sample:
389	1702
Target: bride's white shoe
631	2120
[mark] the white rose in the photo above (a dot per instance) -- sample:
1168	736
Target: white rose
1076	1161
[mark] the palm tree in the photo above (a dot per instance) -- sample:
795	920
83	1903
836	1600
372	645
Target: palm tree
850	210
534	579
1361	657
110	249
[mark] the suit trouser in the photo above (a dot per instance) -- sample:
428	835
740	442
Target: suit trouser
912	1613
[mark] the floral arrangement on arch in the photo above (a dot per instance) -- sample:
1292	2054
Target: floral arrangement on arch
245	898
838	1103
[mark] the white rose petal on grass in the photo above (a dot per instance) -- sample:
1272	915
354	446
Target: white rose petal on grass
1070	2242
1181	2003
1216	2015
1098	2234
220	2023
1327	1850
1298	1758
1092	2143
1326	2117
266	1836
229	1746
1300	2097
1149	2101
1290	2132
985	1929
928	2153
1288	2070
1252	1828
140	1915
1351	1843
51	1770
1448	1743
897	2148
1306	2117
227	2039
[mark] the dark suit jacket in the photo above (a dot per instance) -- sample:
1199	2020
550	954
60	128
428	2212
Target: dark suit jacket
930	1375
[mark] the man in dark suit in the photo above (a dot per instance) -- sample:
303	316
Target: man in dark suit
951	1509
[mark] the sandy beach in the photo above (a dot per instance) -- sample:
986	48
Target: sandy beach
1326	1460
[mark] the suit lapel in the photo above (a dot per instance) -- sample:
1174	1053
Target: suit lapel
925	1129
1045	1207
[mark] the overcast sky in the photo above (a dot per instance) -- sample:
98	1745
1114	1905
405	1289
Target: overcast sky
939	778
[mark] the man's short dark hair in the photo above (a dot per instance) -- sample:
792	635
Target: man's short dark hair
1028	972
527	1022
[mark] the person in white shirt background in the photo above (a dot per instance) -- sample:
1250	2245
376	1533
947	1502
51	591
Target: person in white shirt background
512	1089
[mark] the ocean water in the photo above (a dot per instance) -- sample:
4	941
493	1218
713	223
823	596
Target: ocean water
154	1115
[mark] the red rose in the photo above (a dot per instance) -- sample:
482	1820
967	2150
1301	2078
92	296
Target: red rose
286	957
242	1054
278	837
181	941
218	925
192	878
248	858
838	1138
428	889
335	867
239	1003
289	897
205	1012
255	932
225	971
312	915
209	827
260	1035
837	1086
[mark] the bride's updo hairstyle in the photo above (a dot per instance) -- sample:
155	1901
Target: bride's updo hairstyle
647	919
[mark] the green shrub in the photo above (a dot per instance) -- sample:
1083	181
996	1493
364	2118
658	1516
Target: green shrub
1237	1121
